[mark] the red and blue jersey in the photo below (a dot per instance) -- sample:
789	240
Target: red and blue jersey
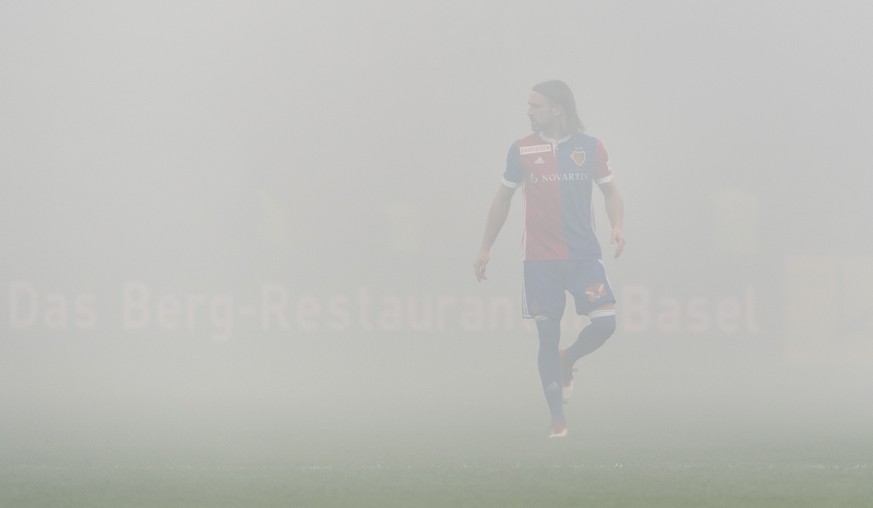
557	176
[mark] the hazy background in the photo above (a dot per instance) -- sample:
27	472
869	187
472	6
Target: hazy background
230	228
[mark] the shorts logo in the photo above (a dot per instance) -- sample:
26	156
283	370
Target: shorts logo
595	292
578	156
527	150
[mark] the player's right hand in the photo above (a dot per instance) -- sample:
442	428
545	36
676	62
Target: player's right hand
617	239
479	266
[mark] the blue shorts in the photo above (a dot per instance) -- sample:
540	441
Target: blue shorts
545	283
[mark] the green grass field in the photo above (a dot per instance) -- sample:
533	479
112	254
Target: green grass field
192	428
568	484
429	467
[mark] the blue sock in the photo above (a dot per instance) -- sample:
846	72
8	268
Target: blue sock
591	337
549	361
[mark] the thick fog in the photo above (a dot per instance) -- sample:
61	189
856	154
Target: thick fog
246	222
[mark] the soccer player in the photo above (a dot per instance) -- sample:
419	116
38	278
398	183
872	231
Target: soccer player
557	166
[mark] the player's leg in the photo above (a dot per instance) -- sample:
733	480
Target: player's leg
594	297
593	336
549	363
544	301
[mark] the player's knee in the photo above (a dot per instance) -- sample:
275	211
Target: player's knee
548	328
603	326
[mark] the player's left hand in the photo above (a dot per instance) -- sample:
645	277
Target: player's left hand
617	239
479	266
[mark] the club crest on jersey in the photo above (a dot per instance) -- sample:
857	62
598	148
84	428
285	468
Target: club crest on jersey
527	150
578	156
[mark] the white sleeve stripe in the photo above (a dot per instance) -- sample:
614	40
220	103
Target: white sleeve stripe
511	185
605	179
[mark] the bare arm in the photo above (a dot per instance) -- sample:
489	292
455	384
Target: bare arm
496	218
615	211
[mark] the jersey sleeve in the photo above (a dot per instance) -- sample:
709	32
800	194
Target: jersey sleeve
602	173
514	174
